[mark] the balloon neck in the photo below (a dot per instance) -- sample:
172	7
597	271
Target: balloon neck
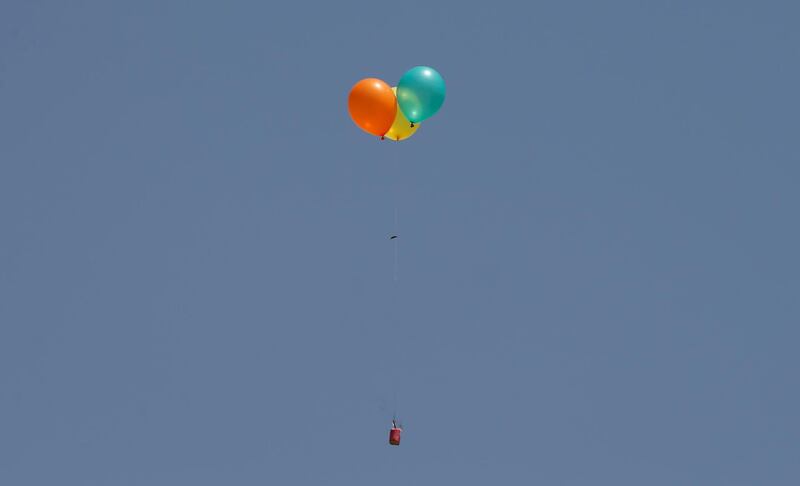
412	124
383	138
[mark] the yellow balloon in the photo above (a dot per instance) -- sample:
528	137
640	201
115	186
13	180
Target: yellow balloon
401	128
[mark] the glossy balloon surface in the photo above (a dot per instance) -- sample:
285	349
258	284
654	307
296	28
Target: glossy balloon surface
401	129
420	93
372	105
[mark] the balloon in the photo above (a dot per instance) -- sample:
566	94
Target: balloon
401	128
372	105
420	93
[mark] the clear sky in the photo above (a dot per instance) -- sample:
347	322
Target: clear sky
599	272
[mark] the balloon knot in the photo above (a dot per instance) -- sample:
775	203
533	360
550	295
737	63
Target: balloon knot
412	125
382	137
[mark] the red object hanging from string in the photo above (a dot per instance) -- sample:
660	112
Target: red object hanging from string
394	434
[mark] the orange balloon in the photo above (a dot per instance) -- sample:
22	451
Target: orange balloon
372	105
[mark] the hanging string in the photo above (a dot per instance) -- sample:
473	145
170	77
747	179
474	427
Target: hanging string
394	413
395	237
395	241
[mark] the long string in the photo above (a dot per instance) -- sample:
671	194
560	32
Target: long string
395	275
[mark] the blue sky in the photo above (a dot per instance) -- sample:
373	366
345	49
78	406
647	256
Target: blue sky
598	245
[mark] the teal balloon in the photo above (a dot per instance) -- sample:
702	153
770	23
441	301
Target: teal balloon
420	93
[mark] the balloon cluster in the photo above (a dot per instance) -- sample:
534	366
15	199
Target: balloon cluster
395	112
